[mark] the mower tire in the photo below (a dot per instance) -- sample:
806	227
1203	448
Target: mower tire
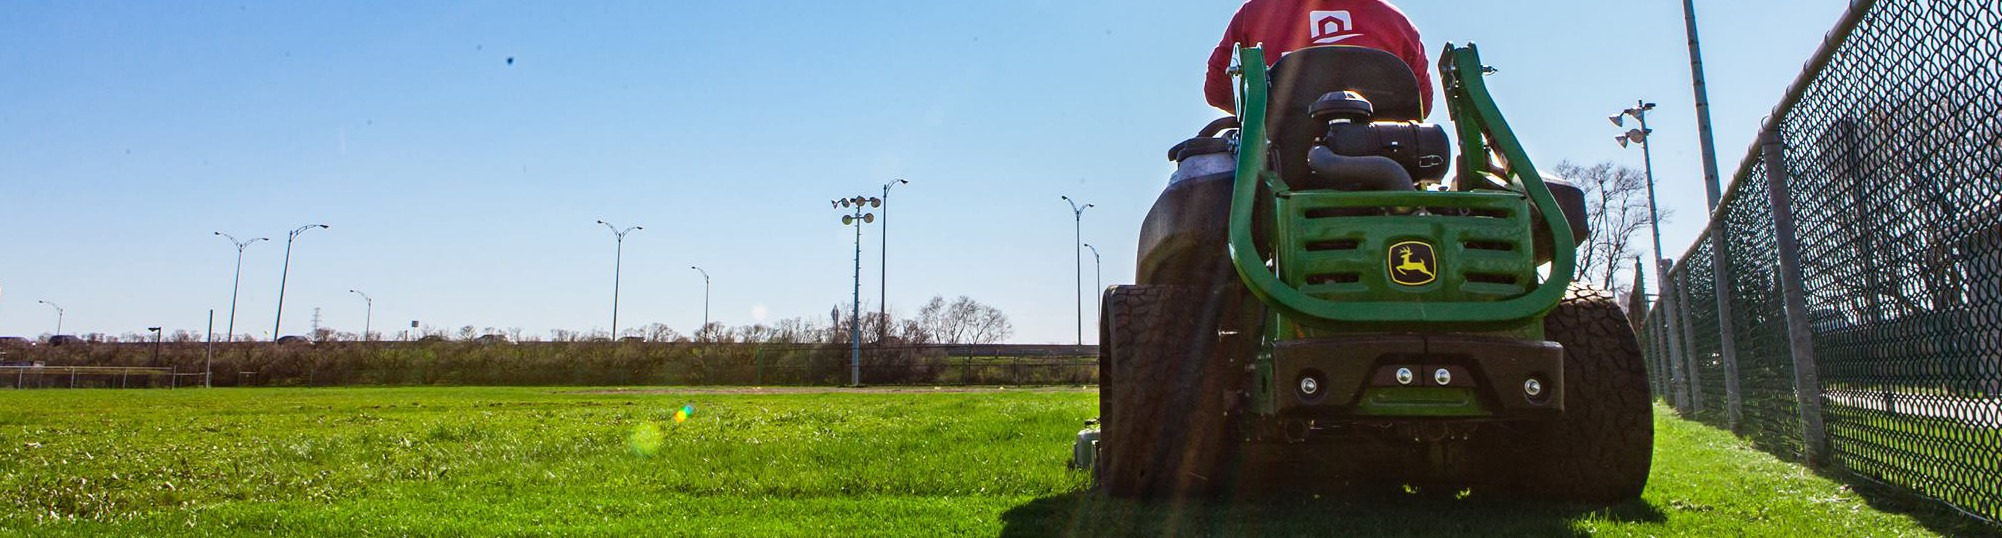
1600	449
1162	394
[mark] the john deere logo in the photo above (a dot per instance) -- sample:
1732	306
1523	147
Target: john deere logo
1413	264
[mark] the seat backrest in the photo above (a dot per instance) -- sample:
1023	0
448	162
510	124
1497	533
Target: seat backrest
1303	76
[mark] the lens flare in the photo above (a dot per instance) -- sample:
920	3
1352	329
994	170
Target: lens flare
646	440
681	415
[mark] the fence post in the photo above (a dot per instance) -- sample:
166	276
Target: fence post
1693	371
1800	333
1678	375
1727	345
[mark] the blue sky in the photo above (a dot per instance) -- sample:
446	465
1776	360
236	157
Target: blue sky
463	189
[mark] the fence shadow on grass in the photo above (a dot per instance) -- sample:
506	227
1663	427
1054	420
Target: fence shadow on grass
1375	512
1933	514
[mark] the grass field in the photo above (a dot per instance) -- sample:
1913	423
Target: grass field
526	461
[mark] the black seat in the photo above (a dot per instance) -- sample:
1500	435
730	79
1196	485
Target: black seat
1303	76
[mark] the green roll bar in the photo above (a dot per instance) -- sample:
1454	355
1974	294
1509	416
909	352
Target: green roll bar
1482	130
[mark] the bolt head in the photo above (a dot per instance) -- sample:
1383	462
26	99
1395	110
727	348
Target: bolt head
1310	386
1404	376
1443	377
1533	387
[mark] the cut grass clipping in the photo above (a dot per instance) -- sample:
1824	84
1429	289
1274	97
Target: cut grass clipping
484	461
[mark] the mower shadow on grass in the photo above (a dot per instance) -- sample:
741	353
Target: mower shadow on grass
1360	512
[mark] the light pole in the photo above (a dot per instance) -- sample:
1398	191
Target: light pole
1696	78
1097	267
1077	216
59	316
236	284
883	267
156	345
705	298
618	262
368	316
1640	136
279	322
1098	274
857	219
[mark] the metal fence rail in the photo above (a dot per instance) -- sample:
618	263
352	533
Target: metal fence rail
1863	239
72	377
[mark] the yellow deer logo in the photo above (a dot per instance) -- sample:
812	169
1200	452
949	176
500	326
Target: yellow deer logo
1413	264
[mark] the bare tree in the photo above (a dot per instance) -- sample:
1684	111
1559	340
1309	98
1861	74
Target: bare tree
1616	211
963	321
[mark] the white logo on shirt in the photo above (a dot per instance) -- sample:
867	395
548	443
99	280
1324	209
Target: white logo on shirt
1331	26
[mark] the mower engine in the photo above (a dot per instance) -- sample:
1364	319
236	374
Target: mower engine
1359	154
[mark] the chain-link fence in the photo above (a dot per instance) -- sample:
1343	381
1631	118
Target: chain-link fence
1863	273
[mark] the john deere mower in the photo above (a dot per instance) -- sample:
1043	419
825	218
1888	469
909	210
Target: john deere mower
1312	280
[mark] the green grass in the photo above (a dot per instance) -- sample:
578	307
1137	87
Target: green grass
527	461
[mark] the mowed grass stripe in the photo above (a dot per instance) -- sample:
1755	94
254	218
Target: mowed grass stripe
527	461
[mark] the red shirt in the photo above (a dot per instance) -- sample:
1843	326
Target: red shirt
1286	25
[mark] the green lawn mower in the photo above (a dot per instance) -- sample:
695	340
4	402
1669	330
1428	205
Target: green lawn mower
1310	281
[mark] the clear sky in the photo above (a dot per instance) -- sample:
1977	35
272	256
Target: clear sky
462	152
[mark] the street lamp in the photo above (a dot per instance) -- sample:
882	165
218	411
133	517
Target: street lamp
276	324
1098	274
705	298
618	262
59	316
368	316
156	345
1640	136
1097	267
857	219
236	284
883	268
1077	215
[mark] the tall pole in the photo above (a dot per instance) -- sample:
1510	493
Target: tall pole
1720	262
279	320
1710	179
618	264
857	219
368	316
705	298
236	284
1640	136
1098	274
59	316
883	267
1097	268
156	346
1077	252
208	355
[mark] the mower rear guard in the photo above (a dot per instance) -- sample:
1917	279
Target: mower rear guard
1358	377
1482	132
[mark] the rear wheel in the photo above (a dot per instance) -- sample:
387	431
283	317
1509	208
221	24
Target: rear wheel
1164	430
1602	446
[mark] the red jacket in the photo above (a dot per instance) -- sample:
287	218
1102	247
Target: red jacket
1286	25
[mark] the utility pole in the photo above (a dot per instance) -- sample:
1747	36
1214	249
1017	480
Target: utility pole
279	320
1077	216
